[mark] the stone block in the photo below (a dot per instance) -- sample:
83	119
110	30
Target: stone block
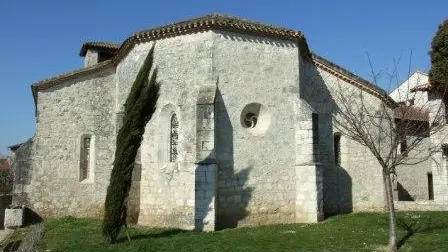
13	217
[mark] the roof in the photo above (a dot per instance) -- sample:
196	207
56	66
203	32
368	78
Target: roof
408	81
351	78
100	46
52	81
411	113
423	87
211	22
15	146
4	164
421	72
204	23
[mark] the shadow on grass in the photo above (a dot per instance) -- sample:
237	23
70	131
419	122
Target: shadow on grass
12	246
162	234
32	235
414	224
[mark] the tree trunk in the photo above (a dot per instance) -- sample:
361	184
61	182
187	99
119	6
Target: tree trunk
390	205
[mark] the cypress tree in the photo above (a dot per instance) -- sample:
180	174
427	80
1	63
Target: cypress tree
438	74
138	110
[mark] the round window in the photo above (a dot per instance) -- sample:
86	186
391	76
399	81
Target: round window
256	118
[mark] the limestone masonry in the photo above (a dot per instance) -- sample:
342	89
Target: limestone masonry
242	135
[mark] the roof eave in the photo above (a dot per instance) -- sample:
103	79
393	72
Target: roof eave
50	82
353	79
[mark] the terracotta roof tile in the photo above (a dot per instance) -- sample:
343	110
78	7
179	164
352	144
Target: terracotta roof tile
411	113
423	87
208	22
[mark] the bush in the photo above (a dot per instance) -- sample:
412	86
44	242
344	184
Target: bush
6	181
138	110
438	74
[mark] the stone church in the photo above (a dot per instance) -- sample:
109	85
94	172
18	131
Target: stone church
242	135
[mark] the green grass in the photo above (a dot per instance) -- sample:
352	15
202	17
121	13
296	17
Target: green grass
418	231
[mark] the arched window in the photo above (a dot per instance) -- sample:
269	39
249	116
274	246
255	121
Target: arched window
174	126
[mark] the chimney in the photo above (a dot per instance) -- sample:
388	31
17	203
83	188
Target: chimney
91	58
96	52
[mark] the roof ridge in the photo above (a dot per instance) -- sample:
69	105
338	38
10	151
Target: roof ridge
103	45
212	21
207	22
352	78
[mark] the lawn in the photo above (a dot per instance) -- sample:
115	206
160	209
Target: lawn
418	231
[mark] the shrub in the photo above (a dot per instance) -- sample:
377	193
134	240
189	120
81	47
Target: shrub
6	181
438	74
138	110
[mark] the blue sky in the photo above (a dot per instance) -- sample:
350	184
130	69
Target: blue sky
40	39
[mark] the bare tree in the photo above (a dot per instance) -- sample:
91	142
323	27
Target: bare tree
389	129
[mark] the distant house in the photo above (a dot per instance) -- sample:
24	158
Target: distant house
4	164
414	182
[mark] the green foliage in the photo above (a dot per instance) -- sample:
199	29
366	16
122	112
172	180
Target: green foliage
138	110
417	231
438	75
6	180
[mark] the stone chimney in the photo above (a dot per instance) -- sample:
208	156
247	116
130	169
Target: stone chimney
91	58
96	52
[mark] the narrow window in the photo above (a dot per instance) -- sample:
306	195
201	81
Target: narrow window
402	129
445	151
404	147
337	149
446	110
430	187
85	165
315	129
174	138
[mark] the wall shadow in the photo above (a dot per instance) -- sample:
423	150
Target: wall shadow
161	234
344	191
233	194
337	192
414	226
337	183
30	217
403	194
133	208
205	190
5	201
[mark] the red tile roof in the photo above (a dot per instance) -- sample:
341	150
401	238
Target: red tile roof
423	87
99	45
413	113
204	23
4	164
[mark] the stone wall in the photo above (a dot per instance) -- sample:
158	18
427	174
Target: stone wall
439	142
356	184
412	177
256	166
167	187
65	113
422	205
